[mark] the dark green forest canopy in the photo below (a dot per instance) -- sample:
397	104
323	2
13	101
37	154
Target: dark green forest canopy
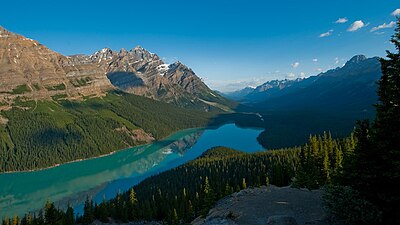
190	190
45	133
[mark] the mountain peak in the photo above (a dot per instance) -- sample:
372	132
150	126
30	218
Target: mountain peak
139	48
4	32
104	50
357	59
123	50
177	63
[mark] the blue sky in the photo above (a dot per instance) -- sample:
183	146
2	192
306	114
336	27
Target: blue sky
230	44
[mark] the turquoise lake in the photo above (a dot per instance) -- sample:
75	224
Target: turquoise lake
104	177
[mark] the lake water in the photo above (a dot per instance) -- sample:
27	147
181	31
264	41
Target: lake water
104	177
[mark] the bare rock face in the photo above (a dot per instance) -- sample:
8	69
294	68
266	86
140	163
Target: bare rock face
27	68
141	72
96	222
281	220
267	205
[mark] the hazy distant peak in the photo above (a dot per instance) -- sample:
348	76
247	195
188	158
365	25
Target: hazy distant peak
357	59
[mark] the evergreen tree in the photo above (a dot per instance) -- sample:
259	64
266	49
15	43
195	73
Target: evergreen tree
374	169
6	221
51	216
244	185
88	211
386	134
69	216
132	204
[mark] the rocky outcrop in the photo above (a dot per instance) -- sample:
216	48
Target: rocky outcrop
267	205
141	72
96	222
28	68
281	220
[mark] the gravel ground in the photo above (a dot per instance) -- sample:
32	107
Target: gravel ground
253	206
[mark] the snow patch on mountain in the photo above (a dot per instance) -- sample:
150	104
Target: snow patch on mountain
163	68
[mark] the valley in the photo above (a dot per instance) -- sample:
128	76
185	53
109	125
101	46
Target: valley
56	109
108	175
47	133
294	121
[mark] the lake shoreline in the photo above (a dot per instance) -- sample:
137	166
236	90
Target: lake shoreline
26	191
95	157
214	126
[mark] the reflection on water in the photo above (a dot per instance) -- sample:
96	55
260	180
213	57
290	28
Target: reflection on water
70	183
104	177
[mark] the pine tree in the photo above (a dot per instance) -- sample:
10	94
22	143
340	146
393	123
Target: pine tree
6	221
133	202
15	220
374	169
267	181
50	214
244	184
40	219
175	218
386	132
327	165
227	189
69	216
209	196
88	211
132	197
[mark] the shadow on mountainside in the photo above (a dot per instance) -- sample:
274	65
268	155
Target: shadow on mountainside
124	80
287	128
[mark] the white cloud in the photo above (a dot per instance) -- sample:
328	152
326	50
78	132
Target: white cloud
396	12
383	26
315	60
290	76
295	65
302	75
342	20
356	26
337	60
237	84
326	34
319	69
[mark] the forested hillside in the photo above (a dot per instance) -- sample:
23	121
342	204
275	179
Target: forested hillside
188	191
45	133
330	101
217	173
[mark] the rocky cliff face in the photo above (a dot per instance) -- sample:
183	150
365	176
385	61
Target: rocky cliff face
267	205
27	68
141	72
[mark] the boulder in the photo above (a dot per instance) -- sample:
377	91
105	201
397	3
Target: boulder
281	220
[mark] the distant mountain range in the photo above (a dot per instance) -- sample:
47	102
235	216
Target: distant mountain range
29	69
330	101
290	109
262	92
351	88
